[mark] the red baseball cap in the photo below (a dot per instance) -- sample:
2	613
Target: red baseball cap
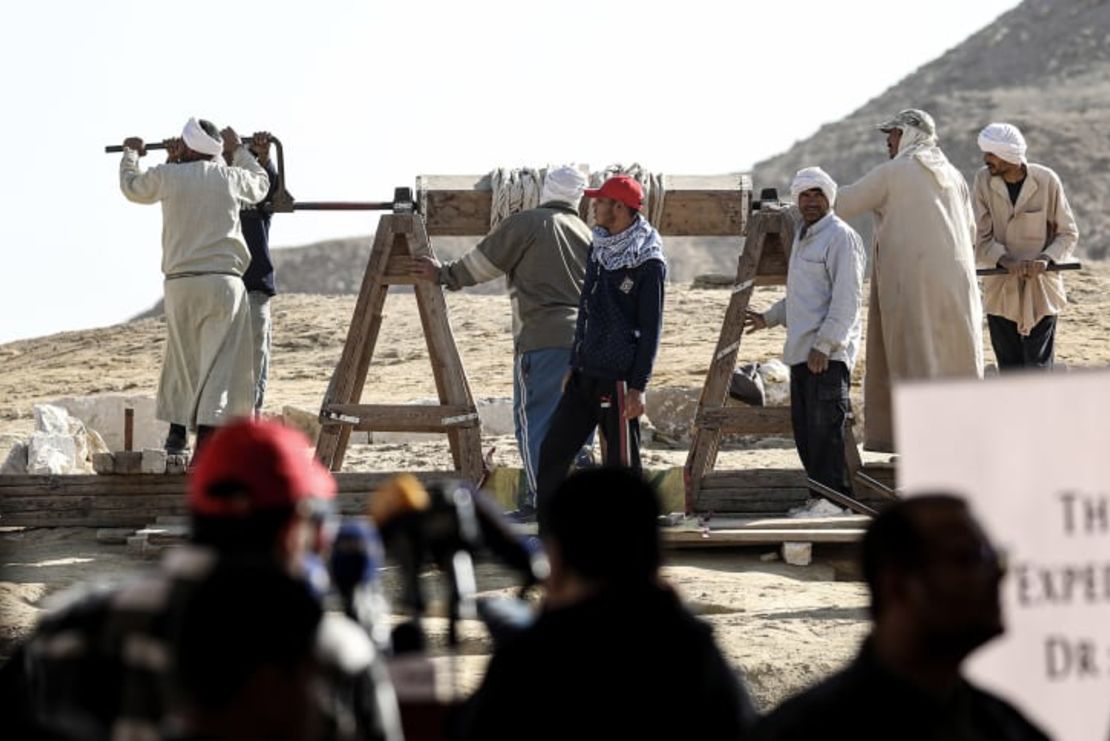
250	466
623	188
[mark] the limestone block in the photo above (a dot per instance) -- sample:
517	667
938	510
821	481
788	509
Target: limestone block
15	464
104	463
51	419
153	460
797	554
176	463
496	415
299	419
671	411
128	462
104	413
51	454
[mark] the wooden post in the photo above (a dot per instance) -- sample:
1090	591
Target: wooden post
399	238
763	261
128	428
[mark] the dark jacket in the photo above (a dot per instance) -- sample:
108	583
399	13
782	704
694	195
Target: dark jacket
620	318
255	225
626	664
868	701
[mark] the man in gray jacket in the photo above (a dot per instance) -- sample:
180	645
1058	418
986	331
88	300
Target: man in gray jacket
821	312
542	254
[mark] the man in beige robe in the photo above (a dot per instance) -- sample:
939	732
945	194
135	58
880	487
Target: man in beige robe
1024	225
925	317
207	372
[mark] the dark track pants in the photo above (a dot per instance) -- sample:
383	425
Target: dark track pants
819	407
587	402
1014	351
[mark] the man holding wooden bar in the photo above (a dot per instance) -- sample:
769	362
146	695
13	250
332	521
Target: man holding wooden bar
207	378
821	313
1024	224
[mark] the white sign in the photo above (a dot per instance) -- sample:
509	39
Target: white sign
1032	455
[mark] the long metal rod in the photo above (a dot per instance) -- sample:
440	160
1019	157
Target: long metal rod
116	148
1052	268
875	485
842	499
342	205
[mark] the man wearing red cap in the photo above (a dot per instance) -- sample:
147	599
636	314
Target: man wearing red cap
102	665
620	316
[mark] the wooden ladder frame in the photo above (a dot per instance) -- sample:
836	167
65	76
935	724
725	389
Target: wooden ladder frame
763	262
400	237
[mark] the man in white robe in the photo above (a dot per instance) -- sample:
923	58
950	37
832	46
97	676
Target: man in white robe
925	316
207	372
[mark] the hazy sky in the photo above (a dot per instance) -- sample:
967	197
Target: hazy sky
368	95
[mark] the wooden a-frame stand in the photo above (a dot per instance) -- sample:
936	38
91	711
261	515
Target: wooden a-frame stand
400	237
763	262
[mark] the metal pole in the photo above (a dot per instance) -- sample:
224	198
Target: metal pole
1052	268
836	497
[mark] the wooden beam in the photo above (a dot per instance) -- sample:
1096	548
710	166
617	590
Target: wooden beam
693	205
403	417
756	479
692	538
746	420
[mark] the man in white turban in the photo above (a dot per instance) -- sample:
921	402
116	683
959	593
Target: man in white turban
1024	225
207	377
821	312
542	254
925	317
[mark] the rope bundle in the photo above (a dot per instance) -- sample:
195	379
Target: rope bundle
519	189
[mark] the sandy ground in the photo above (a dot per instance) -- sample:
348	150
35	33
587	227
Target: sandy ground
784	627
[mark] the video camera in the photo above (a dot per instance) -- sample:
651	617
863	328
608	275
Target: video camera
447	525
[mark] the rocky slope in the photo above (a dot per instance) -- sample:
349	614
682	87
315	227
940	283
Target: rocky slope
1044	66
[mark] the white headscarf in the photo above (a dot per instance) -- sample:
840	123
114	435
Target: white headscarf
813	177
1005	141
565	183
922	146
198	140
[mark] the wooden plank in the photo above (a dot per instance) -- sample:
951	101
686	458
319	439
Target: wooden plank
679	538
406	417
708	213
756	478
781	523
455	205
90	485
746	420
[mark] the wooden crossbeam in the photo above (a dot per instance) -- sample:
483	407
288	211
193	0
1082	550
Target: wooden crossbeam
745	420
693	205
401	417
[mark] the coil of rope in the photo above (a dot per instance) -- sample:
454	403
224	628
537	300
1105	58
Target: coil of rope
518	189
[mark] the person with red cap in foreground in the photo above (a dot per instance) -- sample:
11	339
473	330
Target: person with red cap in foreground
620	316
102	665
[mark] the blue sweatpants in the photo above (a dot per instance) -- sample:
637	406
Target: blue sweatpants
537	388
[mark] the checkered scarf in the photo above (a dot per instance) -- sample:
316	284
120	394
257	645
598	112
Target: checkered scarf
634	246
